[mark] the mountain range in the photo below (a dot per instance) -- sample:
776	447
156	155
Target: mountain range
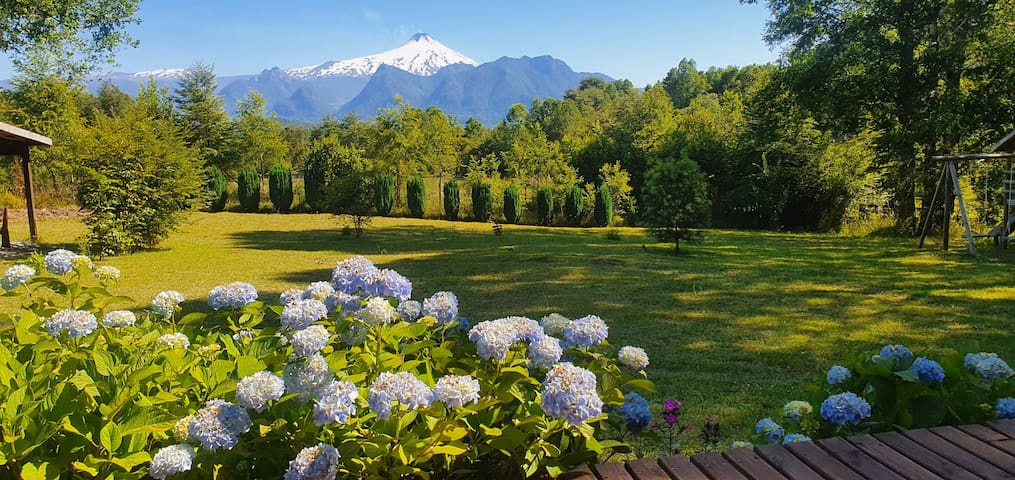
422	71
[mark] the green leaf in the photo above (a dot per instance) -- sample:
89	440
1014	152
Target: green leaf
84	384
110	438
104	362
642	385
908	375
248	365
454	449
130	461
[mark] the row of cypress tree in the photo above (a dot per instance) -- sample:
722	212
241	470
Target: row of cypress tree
248	189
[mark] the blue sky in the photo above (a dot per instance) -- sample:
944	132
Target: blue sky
639	41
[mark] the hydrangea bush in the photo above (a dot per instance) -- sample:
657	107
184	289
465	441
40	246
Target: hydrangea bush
351	377
894	389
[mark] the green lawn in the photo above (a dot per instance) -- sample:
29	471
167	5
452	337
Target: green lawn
733	327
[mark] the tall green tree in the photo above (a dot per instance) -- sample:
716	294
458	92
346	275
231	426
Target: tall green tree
257	136
202	116
684	82
675	199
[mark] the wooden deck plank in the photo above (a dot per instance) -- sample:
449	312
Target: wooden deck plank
822	462
611	471
1005	446
998	458
921	455
857	459
786	462
983	433
646	469
581	473
717	467
1006	427
750	464
681	468
955	454
898	462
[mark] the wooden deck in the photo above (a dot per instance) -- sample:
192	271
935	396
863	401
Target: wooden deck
941	453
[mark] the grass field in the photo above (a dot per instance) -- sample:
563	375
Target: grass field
733	327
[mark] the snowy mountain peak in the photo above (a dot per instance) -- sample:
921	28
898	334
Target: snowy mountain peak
161	73
421	54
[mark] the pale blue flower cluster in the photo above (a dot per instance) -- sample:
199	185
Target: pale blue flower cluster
119	319
635	412
838	375
355	335
243	335
290	296
232	295
174	340
633	357
164	304
988	366
319	462
77	323
456	390
171	460
352	274
796	409
586	331
409	310
16	276
301	313
310	340
377	311
389	283
845	408
336	402
553	324
795	438
545	351
443	306
1006	408
218	424
569	392
256	390
318	291
60	261
927	370
895	352
106	273
494	338
307	376
771	430
349	304
403	387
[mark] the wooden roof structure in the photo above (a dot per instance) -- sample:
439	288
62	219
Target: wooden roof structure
17	142
1006	145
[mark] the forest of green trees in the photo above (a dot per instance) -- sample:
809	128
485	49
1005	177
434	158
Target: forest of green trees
839	130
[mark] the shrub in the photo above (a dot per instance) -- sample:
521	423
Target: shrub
384	193
544	205
675	198
313	182
248	189
603	213
512	205
574	205
379	391
217	184
482	201
415	193
452	201
280	187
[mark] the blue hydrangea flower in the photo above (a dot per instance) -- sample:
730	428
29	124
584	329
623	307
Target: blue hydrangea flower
569	392
586	331
494	338
15	276
635	412
409	310
795	438
928	370
319	462
896	352
218	424
290	296
355	335
988	366
402	387
1006	408
307	376
77	323
837	375
351	274
164	304
377	311
741	444
171	460
344	303
336	402
389	283
119	319
772	431
256	390
797	409
107	273
845	408
442	305
310	340
174	340
232	295
244	335
60	261
553	324
633	357
301	313
456	390
318	291
545	352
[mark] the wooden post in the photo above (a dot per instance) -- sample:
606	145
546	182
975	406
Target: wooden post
962	208
948	206
930	208
1006	187
5	233
26	168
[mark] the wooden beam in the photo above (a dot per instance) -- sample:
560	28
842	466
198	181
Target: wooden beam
962	208
26	168
971	156
930	208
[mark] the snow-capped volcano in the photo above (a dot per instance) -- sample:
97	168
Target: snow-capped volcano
420	55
